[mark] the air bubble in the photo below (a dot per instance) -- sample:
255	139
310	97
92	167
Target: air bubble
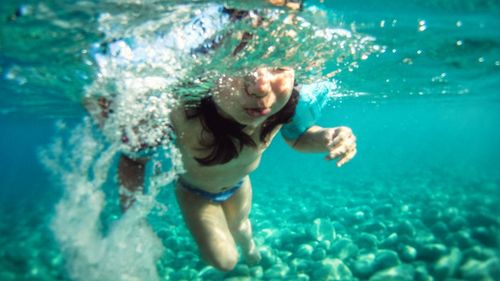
422	25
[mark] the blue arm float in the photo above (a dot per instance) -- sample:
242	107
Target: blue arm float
313	97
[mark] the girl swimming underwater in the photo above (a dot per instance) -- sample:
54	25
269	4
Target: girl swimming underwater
222	137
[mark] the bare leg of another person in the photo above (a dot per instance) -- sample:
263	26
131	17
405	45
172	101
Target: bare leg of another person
131	177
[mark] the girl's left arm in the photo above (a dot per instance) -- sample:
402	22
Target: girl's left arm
338	142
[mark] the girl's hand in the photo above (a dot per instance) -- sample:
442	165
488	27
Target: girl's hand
341	144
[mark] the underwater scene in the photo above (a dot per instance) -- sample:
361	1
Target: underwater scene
84	82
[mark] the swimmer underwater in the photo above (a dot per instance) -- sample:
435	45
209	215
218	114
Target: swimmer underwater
221	139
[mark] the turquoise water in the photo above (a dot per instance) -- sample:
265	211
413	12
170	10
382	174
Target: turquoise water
419	201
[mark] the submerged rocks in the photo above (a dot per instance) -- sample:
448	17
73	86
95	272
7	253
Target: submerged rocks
363	267
447	265
343	249
331	269
482	219
431	215
478	253
422	274
486	236
318	254
385	209
277	271
481	270
457	223
461	239
399	273
355	216
241	270
268	258
432	252
210	273
301	265
256	272
440	229
385	259
304	251
390	241
407	253
373	226
323	229
405	227
367	241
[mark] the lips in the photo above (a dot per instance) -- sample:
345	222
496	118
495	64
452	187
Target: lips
258	112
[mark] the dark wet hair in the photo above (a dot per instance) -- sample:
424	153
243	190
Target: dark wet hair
228	138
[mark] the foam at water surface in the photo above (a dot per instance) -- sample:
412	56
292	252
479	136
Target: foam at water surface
130	249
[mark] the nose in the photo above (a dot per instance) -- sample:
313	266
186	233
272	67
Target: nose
260	83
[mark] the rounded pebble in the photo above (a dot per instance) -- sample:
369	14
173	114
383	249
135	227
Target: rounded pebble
478	253
257	272
432	252
405	228
367	241
486	236
363	266
390	241
331	269
440	229
385	259
399	273
302	277
268	258
318	254
447	265
343	249
373	227
385	209
304	251
408	253
278	271
323	229
480	270
457	223
300	265
461	239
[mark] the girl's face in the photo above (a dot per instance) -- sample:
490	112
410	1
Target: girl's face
251	99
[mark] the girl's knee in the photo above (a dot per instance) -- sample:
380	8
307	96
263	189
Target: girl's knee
225	261
242	227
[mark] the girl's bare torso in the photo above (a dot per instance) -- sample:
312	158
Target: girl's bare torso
215	178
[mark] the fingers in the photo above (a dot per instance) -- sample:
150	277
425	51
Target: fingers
342	148
342	144
348	156
338	135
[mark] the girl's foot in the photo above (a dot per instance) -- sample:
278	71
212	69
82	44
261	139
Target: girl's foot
252	255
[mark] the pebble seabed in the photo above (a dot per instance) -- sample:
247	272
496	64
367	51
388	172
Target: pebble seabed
406	229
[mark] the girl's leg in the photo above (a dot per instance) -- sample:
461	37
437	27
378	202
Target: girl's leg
207	223
237	208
